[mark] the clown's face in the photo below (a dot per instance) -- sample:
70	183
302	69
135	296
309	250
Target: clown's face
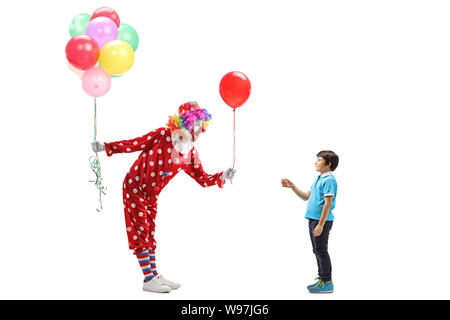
182	141
197	130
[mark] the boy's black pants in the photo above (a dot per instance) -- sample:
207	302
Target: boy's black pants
320	248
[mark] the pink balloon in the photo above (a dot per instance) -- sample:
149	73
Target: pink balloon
102	30
96	82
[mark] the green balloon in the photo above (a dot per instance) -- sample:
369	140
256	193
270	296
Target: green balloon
79	24
128	34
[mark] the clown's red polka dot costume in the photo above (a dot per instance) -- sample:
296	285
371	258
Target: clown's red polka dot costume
157	164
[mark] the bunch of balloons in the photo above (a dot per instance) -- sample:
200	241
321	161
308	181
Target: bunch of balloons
100	48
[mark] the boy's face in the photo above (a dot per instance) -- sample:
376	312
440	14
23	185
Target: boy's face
321	165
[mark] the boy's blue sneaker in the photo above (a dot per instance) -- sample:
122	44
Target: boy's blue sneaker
314	284
321	287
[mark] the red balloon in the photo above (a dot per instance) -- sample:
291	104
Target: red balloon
235	89
108	13
82	52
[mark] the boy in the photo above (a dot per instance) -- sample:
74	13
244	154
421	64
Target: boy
322	200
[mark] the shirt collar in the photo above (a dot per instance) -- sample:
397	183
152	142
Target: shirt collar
326	174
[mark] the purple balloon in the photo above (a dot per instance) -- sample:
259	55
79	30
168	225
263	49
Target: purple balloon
102	30
96	82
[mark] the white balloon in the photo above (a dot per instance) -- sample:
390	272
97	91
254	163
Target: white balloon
76	71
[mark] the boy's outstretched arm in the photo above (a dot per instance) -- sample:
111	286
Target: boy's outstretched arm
301	194
323	218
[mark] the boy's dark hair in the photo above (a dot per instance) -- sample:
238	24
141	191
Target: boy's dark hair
330	158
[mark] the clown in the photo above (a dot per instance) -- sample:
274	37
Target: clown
164	152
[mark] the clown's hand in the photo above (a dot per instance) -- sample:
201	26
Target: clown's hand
228	174
97	146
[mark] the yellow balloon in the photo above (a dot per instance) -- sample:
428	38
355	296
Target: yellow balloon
116	57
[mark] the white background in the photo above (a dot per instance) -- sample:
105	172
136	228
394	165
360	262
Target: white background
367	79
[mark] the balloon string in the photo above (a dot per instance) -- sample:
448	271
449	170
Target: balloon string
234	137
95	119
234	140
95	164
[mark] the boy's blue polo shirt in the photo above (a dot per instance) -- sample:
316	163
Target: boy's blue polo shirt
324	185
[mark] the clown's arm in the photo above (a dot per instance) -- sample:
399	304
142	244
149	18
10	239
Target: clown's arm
195	170
132	145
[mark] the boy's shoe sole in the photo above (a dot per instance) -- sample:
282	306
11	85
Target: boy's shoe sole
329	291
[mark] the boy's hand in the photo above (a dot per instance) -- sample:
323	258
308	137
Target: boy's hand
286	183
318	230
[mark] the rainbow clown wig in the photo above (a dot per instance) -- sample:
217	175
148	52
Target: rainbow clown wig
188	113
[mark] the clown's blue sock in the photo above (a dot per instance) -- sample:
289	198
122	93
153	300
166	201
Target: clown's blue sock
153	262
144	262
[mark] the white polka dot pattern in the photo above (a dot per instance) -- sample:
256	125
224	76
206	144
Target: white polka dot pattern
151	172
